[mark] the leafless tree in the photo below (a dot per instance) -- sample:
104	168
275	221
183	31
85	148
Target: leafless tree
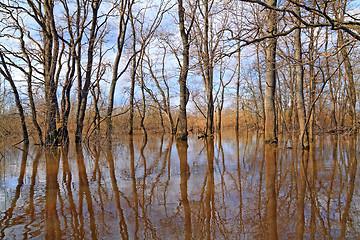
181	130
4	71
82	101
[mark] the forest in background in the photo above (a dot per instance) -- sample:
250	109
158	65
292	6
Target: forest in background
96	67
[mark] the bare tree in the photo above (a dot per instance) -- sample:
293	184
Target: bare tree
124	8
7	75
164	102
350	84
270	115
220	94
181	131
134	65
82	101
23	55
304	137
75	27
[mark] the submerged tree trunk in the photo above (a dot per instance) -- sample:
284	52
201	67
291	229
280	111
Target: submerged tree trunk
269	101
304	137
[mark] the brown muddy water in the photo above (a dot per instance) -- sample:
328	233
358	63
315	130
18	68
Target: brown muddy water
223	188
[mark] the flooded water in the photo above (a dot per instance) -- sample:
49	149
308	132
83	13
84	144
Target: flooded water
228	187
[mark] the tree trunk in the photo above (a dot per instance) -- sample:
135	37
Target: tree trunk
208	75
331	88
65	101
181	131
6	73
131	100
260	84
210	108
304	137
95	4
69	79
312	85
123	20
238	95
50	54
133	76
29	87
350	81
269	101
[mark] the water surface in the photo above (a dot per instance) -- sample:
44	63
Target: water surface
229	187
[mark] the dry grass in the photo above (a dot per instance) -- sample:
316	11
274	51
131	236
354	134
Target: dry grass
10	129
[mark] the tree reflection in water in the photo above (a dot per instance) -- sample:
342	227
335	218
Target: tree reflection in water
84	189
226	187
184	175
122	222
53	231
7	216
271	196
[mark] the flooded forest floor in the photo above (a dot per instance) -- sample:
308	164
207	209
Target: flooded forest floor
227	187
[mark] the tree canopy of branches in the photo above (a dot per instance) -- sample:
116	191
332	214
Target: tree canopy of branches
73	65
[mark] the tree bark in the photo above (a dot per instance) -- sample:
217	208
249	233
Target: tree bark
238	91
331	87
304	137
312	84
95	4
350	84
50	55
29	87
6	73
260	84
73	64
269	101
181	131
133	76
209	69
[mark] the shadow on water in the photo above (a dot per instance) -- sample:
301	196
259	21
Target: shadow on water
231	186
